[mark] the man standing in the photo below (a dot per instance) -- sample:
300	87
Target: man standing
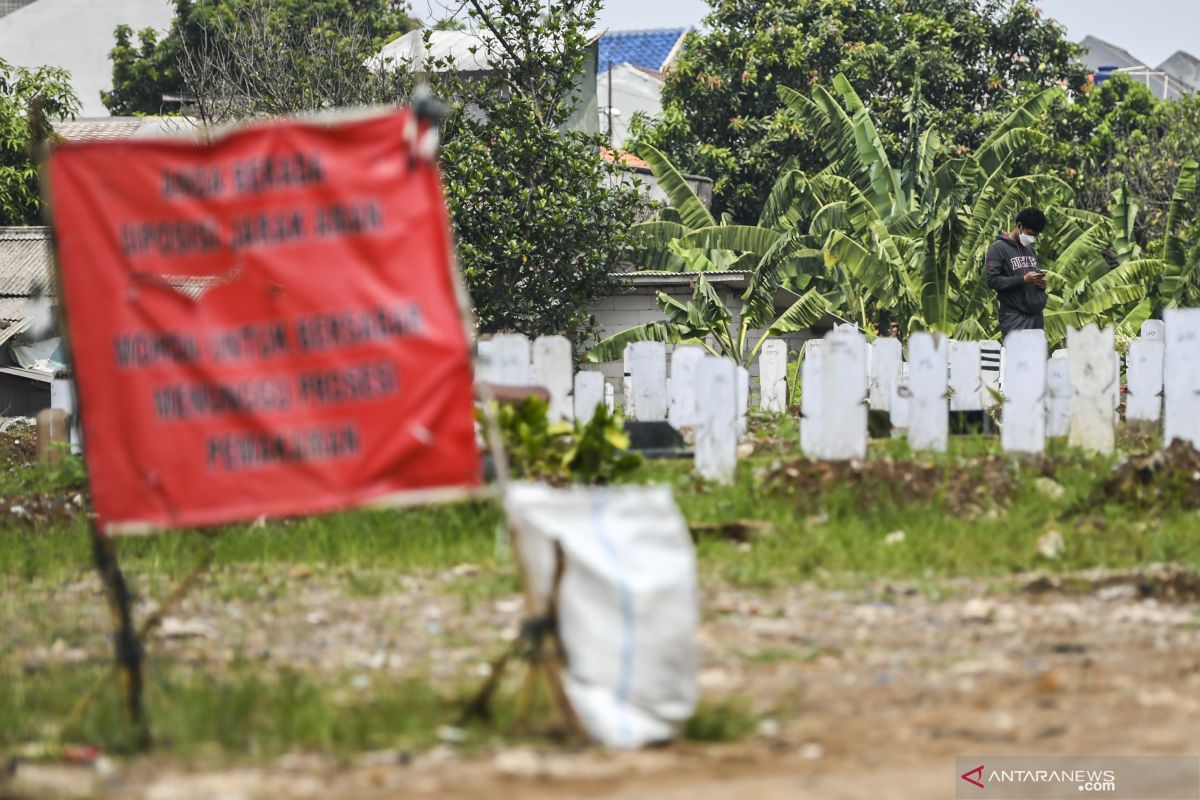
1013	273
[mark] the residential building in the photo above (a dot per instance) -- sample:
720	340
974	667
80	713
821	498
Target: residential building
77	36
1177	76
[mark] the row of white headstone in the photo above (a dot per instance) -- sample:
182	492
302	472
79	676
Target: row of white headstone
651	394
1074	394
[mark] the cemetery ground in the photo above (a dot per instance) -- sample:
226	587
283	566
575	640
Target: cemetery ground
862	625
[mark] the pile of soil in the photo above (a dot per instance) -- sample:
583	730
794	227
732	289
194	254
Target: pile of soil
46	503
959	487
1167	479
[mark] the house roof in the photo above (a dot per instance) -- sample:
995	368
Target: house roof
107	129
466	51
653	50
627	158
98	129
25	259
1184	67
647	281
1099	53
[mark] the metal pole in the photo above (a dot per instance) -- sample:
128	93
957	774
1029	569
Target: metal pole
610	114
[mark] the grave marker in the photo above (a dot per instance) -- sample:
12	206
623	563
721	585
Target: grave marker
901	401
965	376
990	355
844	396
1024	382
1146	360
1058	398
743	400
486	367
553	364
886	355
589	395
929	420
772	376
1181	378
812	374
610	398
683	407
1093	374
716	436
1153	329
648	369
513	360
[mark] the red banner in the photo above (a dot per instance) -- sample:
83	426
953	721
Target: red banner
266	325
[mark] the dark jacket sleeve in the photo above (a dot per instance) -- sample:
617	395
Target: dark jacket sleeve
997	281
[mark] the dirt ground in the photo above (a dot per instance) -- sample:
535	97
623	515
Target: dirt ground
867	692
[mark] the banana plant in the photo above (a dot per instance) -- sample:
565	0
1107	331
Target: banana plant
912	240
706	321
1105	277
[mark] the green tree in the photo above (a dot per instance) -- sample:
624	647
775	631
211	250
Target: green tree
540	219
1120	137
30	100
310	34
722	117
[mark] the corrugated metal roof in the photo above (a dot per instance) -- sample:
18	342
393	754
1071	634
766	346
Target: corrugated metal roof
25	261
649	49
98	130
13	329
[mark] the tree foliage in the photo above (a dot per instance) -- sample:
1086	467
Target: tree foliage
971	58
30	99
1119	136
268	49
540	219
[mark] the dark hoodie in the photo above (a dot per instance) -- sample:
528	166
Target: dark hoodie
1021	303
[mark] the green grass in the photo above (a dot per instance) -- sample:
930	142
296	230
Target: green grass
833	535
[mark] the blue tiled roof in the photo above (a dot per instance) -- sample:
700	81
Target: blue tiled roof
646	49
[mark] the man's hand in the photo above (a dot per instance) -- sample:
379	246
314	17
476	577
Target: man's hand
1038	279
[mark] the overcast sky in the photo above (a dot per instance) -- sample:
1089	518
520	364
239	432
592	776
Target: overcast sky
1150	29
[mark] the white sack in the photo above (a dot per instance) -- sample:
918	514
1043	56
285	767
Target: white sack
627	606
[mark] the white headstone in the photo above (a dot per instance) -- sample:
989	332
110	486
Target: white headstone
683	409
901	401
1181	378
1058	398
610	398
513	361
648	368
772	376
886	355
589	395
1024	382
486	366
929	412
844	396
1115	390
1060	353
62	396
627	386
965	377
991	354
1092	377
1145	379
553	369
743	400
812	375
716	435
1153	329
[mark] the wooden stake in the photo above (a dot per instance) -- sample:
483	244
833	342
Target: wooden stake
128	649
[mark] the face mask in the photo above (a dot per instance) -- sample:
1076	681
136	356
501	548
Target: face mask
1027	240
